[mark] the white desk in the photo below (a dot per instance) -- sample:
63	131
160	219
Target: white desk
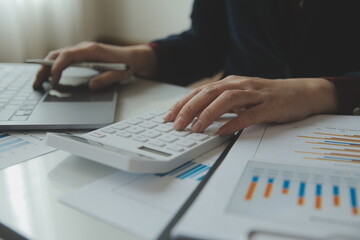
29	191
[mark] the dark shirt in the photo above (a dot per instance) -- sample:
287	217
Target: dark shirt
265	38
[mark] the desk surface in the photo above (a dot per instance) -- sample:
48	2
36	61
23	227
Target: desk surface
30	190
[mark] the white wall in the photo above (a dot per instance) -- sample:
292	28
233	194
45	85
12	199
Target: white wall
142	20
29	29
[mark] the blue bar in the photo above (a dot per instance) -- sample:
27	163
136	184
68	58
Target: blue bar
2	135
286	184
182	167
271	180
200	171
16	140
201	178
190	171
342	159
302	189
13	146
336	190
318	190
194	171
255	178
353	197
342	143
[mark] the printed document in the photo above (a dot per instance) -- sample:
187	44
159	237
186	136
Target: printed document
298	180
142	204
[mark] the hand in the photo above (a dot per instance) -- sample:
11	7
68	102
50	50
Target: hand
254	100
140	58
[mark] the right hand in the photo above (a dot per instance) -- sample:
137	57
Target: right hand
140	58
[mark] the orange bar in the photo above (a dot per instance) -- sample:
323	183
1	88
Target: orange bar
336	201
355	211
251	189
300	201
338	135
268	190
285	191
318	202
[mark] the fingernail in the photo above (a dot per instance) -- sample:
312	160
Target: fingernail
197	127
179	123
168	116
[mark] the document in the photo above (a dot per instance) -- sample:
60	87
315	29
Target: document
18	147
142	204
298	180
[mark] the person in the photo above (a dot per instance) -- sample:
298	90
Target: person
282	60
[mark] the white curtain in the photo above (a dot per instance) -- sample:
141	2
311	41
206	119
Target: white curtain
30	28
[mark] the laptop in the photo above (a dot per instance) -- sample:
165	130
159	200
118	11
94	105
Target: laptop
70	107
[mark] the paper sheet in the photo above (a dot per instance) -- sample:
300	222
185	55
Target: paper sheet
289	181
142	203
17	147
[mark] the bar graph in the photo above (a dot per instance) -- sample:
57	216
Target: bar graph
331	147
18	147
283	191
189	170
8	142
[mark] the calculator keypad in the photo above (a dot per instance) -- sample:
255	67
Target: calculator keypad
150	129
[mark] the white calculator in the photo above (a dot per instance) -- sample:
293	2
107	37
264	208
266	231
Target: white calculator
141	144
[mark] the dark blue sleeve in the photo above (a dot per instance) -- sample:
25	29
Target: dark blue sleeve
198	52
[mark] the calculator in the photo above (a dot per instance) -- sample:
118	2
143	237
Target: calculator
141	144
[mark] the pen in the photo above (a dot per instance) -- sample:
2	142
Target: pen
94	65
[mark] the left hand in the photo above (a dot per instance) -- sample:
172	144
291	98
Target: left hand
254	100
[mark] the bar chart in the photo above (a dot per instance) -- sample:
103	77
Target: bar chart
8	142
308	144
299	193
18	147
331	147
189	170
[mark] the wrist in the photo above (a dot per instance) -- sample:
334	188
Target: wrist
143	60
324	94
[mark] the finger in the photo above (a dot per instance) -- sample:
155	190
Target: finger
44	72
228	101
72	55
198	103
42	75
251	116
107	78
175	108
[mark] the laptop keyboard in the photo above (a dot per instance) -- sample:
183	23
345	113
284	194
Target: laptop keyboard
17	98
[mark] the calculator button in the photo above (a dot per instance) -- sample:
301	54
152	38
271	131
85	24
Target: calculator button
146	116
135	130
158	112
157	143
124	134
109	130
175	148
151	134
164	128
168	138
140	138
198	136
97	134
134	121
180	133
120	126
148	125
185	143
158	120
